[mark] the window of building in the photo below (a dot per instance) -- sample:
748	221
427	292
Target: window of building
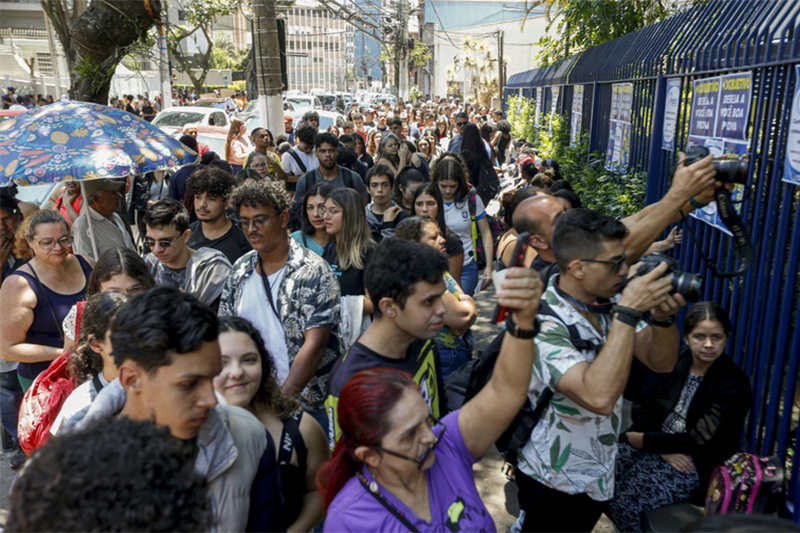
44	63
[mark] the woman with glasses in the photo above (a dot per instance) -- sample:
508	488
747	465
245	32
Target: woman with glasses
118	270
312	232
38	295
396	468
685	423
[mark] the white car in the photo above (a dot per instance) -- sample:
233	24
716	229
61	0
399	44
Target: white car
172	118
303	102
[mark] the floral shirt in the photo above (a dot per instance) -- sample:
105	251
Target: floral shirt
308	298
572	449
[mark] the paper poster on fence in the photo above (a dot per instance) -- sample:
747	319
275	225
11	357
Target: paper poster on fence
554	92
671	113
719	120
576	116
619	136
791	170
538	107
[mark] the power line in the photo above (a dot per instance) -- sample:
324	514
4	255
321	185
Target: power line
433	5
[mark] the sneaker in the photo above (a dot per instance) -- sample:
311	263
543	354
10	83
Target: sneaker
18	460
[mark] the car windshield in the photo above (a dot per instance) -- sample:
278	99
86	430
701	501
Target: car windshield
218	105
327	99
215	144
251	106
176	119
300	102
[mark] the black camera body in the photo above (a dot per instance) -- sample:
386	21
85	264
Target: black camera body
683	283
729	170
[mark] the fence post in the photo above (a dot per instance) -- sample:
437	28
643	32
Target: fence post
656	135
594	127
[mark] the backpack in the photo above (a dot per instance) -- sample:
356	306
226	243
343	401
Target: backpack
488	182
463	384
494	226
745	484
43	399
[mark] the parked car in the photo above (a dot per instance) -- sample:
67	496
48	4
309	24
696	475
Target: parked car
331	102
228	105
172	118
326	119
213	136
303	102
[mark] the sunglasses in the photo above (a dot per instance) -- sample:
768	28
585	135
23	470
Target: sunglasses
615	263
163	243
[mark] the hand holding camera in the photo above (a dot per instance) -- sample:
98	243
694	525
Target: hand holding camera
693	177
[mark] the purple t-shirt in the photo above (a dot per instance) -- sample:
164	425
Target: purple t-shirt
455	502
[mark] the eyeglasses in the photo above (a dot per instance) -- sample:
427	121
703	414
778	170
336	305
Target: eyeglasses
257	222
616	263
420	461
49	244
460	124
259	165
162	243
325	212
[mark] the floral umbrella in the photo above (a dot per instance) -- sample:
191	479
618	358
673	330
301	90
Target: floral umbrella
81	140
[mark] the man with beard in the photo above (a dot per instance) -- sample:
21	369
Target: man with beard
327	149
211	187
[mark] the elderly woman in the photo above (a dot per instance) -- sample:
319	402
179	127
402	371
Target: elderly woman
397	468
39	295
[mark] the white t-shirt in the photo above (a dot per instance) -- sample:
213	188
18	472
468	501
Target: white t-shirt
80	399
255	307
458	219
290	166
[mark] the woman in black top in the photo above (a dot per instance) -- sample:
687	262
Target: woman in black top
473	150
685	423
427	202
361	150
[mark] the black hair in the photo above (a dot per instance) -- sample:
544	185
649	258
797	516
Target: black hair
407	176
326	138
451	166
221	164
381	170
318	189
706	311
269	394
431	189
247	173
462	114
472	142
147	332
570	196
119	261
396	266
309	115
191	142
582	233
347	138
394	120
412	228
559	185
264	192
100	310
117	474
212	181
503	125
542	180
167	212
306	134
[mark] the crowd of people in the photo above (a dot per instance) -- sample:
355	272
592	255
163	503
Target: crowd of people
290	315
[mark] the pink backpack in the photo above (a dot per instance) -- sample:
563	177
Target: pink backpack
745	484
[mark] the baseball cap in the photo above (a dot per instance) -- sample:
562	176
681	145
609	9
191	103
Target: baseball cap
287	119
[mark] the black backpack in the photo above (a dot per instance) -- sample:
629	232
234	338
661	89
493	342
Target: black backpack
488	183
468	380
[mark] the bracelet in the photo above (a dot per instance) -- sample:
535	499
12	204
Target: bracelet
668	323
627	319
635	313
696	204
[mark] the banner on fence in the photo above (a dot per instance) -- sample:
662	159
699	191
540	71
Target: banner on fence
538	106
554	93
671	113
791	171
577	115
619	136
719	121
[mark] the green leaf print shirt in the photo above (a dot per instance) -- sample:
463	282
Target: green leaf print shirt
572	449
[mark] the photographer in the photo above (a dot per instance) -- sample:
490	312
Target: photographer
565	471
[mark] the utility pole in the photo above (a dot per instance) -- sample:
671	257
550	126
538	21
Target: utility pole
268	65
500	77
163	57
402	50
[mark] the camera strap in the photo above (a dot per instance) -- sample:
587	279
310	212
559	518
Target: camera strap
741	239
602	306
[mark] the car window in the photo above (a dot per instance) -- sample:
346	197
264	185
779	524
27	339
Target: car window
177	119
220	119
325	123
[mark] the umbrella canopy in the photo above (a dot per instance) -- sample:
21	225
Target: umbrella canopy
81	140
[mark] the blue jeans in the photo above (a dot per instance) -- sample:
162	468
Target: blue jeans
469	278
10	398
451	360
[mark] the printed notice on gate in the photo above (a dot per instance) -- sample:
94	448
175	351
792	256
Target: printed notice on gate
719	120
671	113
791	169
577	115
554	92
619	135
538	106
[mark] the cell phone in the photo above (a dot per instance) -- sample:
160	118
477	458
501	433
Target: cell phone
500	312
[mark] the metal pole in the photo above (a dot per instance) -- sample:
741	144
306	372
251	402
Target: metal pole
268	65
163	67
402	50
500	80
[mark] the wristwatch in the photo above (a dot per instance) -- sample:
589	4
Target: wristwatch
515	331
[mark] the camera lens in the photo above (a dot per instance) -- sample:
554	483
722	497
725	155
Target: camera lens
687	285
731	171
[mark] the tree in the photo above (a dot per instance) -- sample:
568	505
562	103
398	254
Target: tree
96	37
199	16
480	66
582	24
225	55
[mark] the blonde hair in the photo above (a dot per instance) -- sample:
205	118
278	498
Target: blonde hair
27	230
355	237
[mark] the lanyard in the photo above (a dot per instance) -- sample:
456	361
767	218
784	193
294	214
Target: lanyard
268	290
373	490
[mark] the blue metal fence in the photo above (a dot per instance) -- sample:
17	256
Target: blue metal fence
721	37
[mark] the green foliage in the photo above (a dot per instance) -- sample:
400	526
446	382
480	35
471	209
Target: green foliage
413	94
419	55
97	74
224	55
604	190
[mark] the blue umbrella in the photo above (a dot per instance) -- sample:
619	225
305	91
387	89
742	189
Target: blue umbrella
84	141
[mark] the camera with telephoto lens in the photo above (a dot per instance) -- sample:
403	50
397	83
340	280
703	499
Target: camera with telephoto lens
683	283
729	169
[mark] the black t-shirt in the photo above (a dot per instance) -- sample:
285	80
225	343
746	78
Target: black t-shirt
233	244
351	281
148	113
546	269
421	361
